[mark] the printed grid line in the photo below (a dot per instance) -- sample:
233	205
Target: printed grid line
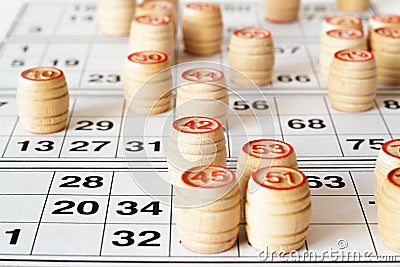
41	214
363	212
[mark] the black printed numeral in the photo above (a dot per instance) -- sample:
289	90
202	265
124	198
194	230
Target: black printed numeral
127	238
331	181
374	144
87	182
86	125
82	146
67	207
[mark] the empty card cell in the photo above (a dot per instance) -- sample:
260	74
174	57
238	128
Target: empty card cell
254	125
107	107
362	145
359	124
330	183
340	239
7	125
68	239
146	126
392	122
92	126
301	105
9	79
103	79
141	183
336	209
141	147
115	49
310	27
364	182
83	183
34	147
17	238
25	182
42	13
81	29
75	209
8	106
315	146
139	209
389	104
110	63
369	207
306	124
67	50
89	147
26	208
136	240
177	249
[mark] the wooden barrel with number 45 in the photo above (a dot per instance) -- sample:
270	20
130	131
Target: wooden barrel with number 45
207	209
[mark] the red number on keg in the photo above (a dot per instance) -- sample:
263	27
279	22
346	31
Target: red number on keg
339	20
346	34
157	5
269	149
253	33
203	6
202	75
278	177
41	74
354	55
394	33
198	75
198	125
148	57
154	19
387	18
216	176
